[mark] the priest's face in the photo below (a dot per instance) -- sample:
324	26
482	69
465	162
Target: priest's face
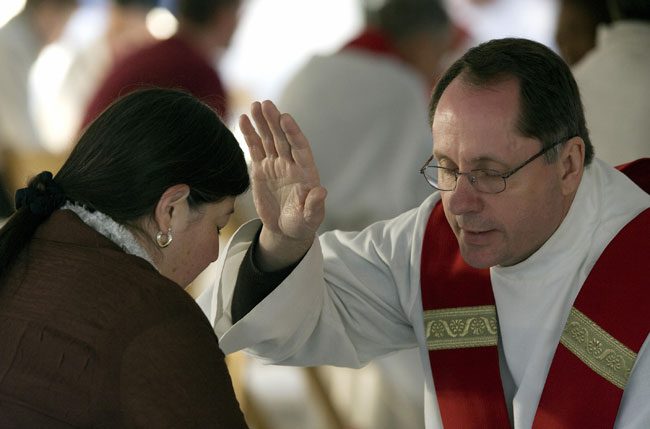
474	128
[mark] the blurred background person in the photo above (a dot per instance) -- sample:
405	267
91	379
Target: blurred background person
369	126
97	330
186	60
577	23
21	41
370	133
125	31
614	81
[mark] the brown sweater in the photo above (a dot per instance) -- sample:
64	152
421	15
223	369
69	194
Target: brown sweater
93	337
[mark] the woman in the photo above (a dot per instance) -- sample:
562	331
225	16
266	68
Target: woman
95	327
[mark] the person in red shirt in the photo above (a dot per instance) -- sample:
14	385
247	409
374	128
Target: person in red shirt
184	61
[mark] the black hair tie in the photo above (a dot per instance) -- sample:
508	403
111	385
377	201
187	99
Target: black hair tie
42	196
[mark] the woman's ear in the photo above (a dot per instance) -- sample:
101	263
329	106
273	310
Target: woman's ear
172	209
571	164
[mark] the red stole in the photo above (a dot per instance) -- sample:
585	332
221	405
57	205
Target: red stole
461	329
467	380
373	41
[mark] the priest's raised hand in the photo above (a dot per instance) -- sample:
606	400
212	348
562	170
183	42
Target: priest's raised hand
286	187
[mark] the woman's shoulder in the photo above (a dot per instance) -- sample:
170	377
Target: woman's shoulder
86	274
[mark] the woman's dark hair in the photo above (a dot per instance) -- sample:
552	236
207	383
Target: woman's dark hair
550	108
138	147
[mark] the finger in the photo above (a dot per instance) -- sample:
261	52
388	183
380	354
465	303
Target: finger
300	149
263	129
253	140
314	211
272	116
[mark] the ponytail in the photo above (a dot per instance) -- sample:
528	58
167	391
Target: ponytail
34	204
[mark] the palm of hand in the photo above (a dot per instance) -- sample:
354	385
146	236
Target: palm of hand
286	186
280	189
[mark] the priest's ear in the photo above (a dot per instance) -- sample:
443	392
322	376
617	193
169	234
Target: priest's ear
571	164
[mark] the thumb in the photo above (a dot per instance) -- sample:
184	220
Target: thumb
315	206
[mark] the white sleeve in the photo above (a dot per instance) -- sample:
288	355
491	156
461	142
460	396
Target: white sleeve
343	305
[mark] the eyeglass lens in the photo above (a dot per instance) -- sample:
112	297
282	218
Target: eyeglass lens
446	179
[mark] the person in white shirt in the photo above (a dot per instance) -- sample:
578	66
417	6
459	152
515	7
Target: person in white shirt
614	84
21	41
370	128
41	22
501	274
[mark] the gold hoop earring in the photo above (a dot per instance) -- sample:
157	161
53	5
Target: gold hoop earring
167	238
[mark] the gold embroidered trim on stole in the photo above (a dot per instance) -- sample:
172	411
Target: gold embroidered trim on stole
601	352
462	327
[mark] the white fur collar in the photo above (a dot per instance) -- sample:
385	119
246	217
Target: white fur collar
110	229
